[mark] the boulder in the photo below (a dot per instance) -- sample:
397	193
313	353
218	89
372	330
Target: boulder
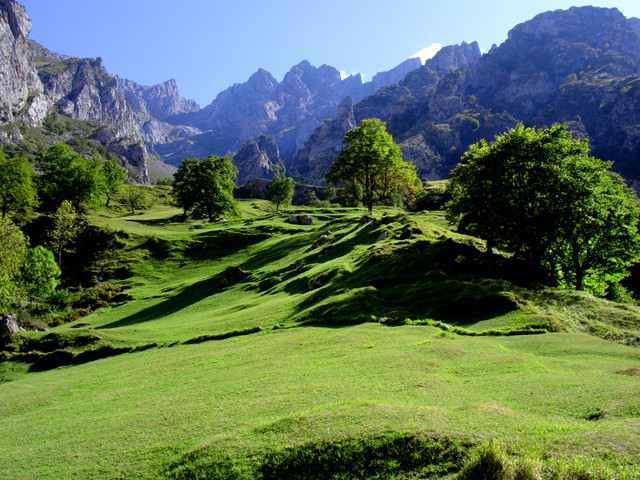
8	327
301	219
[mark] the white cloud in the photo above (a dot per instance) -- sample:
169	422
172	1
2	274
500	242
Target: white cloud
344	75
427	53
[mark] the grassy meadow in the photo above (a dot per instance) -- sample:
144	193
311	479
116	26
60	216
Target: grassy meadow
258	348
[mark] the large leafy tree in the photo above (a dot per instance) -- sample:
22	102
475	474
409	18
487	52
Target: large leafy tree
13	249
204	188
17	191
66	175
114	176
67	226
538	194
185	184
281	190
39	275
371	165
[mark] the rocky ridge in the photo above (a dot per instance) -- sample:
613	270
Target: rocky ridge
286	111
580	66
35	83
258	157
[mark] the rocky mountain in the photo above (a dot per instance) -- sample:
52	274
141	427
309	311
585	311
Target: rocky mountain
579	66
35	83
160	101
286	111
313	161
401	105
20	88
258	157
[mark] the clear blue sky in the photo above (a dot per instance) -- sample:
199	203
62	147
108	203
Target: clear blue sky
208	45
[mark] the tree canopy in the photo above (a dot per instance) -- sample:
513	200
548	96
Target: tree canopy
13	249
204	188
66	175
114	176
371	166
538	194
16	178
281	190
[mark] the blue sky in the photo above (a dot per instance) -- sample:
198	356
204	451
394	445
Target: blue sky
208	45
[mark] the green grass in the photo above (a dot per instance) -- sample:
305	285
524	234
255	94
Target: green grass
345	357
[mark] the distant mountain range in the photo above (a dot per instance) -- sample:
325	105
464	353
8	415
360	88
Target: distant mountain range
580	66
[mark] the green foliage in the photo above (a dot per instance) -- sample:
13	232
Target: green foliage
281	190
204	188
166	182
13	248
16	178
67	176
371	166
114	176
538	194
185	182
134	197
66	229
39	275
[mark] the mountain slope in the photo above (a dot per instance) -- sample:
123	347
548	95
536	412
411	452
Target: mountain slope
579	66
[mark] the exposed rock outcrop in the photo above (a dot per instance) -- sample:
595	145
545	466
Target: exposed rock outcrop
286	111
35	82
312	163
81	88
20	88
258	158
160	101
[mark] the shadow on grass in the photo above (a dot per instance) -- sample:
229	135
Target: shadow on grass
187	297
444	280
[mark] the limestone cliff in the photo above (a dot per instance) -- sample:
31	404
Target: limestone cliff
35	83
258	158
20	88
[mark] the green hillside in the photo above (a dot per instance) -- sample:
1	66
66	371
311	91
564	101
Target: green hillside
258	348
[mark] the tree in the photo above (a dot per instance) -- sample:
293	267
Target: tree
67	176
114	176
66	229
281	190
13	248
185	184
39	275
539	195
134	197
371	165
16	177
204	188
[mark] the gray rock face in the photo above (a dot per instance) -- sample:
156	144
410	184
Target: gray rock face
258	158
160	101
79	88
312	163
397	73
8	327
82	89
287	111
400	106
20	87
